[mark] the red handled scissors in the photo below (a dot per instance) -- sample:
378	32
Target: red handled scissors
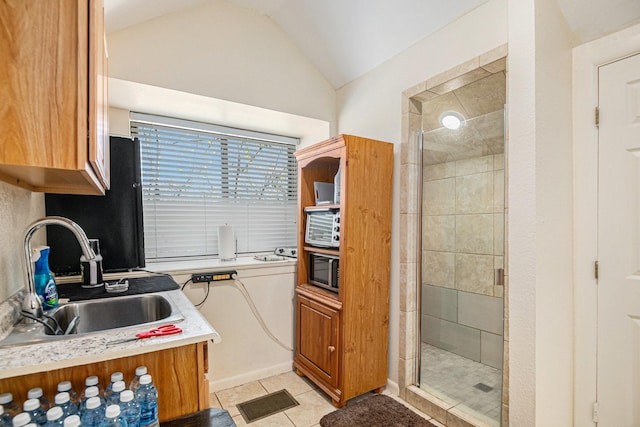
155	332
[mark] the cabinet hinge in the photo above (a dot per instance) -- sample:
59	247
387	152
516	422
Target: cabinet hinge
594	412
595	270
597	116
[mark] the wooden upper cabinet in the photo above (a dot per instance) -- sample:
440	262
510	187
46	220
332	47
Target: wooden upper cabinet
53	87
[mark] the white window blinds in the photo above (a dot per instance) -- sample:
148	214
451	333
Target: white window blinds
196	177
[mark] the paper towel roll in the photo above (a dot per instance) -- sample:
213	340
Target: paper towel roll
226	243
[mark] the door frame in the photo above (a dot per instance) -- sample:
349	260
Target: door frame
587	58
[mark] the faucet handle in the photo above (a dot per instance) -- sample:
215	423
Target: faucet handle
32	305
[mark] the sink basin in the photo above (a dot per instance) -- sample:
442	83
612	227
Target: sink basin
99	315
112	313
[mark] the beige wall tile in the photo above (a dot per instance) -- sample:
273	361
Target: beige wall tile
498	162
493	55
439	171
408	342
474	273
428	404
474	193
408	244
496	66
457	71
416	89
498	191
408	286
439	268
461	81
439	197
409	189
498	234
483	96
474	165
439	233
474	234
406	374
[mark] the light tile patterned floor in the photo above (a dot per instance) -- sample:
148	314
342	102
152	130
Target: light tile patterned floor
314	404
452	378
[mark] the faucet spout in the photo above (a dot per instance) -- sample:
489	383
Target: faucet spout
31	303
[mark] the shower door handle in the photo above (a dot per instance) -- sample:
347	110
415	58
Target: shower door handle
498	277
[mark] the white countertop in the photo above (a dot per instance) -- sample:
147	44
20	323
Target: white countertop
56	354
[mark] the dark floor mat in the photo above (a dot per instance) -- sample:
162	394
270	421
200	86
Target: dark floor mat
264	406
375	411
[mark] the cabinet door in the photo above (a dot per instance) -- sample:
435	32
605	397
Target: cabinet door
98	102
318	339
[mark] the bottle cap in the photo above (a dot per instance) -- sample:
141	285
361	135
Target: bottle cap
21	420
54	413
30	404
112	411
116	376
145	379
93	402
126	396
5	398
141	370
72	421
91	392
92	380
34	393
64	386
61	398
118	386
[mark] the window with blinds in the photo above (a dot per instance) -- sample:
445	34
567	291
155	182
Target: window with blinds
196	177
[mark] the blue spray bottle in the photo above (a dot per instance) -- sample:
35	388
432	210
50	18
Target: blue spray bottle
43	279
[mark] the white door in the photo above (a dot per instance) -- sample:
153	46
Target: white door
618	352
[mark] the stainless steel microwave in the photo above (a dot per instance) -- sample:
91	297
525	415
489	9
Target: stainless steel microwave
324	271
323	227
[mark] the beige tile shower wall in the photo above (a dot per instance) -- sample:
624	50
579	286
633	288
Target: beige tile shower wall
462	246
463	224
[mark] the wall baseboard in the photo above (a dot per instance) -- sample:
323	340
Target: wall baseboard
225	383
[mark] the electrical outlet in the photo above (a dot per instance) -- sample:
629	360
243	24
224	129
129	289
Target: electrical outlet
213	277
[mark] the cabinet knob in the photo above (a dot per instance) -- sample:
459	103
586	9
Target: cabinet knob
331	349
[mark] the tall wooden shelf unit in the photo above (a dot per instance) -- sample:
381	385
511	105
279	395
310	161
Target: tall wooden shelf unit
342	337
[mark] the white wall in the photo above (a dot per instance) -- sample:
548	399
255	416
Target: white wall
18	208
540	215
222	51
246	353
371	105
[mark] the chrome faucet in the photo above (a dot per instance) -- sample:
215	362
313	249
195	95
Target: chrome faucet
31	303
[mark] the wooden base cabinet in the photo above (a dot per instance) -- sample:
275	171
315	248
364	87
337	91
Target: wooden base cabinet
178	373
53	81
342	334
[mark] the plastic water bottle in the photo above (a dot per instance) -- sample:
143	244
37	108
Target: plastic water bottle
62	400
55	417
73	396
112	417
91	381
21	420
11	408
5	420
72	421
88	394
115	377
114	397
35	411
135	382
36	393
147	397
93	413
130	409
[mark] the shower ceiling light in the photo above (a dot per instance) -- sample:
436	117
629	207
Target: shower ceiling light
452	120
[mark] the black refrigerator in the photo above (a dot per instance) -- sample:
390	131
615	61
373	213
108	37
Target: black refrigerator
115	218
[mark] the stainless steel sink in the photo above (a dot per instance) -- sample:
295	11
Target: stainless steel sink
99	315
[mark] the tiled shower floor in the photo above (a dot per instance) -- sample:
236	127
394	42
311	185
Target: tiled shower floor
455	380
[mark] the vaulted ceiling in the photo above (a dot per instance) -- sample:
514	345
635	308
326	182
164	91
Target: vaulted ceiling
347	38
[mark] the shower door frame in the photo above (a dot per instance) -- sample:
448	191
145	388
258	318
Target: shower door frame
410	244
